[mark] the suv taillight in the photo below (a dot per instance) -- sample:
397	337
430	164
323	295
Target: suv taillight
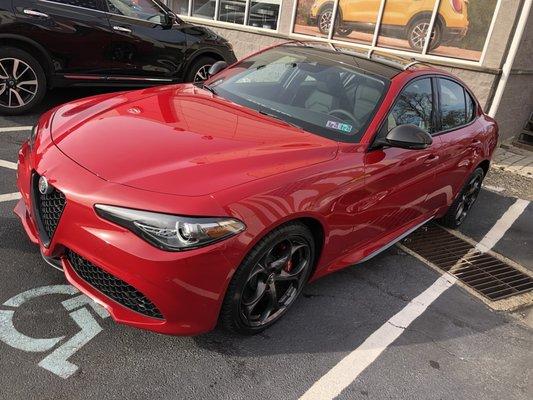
457	5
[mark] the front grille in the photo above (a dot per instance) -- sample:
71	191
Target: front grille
486	274
48	209
112	287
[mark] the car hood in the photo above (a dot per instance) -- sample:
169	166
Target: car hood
180	140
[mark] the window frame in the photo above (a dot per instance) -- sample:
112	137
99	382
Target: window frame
475	106
436	107
224	24
106	10
424	55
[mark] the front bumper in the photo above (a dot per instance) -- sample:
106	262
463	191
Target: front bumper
186	287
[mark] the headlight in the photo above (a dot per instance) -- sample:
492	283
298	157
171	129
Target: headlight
171	232
33	135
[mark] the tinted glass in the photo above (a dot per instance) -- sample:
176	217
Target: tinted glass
204	8
90	4
452	104
414	106
232	11
264	13
305	88
140	9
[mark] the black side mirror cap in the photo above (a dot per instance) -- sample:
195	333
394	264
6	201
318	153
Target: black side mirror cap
169	19
217	67
408	136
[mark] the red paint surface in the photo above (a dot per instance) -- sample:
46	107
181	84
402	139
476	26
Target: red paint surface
180	150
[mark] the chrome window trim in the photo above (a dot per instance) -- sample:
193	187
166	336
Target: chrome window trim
73	6
104	12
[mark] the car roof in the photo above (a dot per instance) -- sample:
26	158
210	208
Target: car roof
376	62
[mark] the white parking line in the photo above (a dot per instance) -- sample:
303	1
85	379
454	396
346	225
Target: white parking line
350	367
15	128
502	225
9	197
8	164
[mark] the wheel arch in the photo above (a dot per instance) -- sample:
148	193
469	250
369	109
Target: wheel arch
314	223
33	48
192	58
317	230
425	14
484	165
329	4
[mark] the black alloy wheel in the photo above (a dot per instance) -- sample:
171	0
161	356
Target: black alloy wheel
465	200
269	280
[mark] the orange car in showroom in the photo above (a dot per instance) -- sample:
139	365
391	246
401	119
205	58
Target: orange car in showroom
402	19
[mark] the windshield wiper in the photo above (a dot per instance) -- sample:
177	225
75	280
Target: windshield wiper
206	87
279	119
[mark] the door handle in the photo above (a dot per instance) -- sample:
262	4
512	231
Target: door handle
34	13
121	29
432	158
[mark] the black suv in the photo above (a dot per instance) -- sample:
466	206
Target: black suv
52	43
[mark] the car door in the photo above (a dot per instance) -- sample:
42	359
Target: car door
458	133
365	11
145	45
75	33
398	181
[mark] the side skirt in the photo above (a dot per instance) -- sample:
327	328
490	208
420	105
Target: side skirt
394	241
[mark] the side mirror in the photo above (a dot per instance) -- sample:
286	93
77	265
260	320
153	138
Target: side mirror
217	67
168	19
407	136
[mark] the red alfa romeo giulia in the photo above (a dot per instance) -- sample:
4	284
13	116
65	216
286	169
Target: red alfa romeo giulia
181	206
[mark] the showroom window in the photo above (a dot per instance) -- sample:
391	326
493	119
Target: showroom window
262	14
456	29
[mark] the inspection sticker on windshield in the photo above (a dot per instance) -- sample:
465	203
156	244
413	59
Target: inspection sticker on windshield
339	126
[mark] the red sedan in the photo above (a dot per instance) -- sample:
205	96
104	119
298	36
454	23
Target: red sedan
181	206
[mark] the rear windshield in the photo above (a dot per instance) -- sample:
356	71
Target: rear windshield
306	88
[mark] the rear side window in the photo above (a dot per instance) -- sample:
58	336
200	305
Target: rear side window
90	4
453	105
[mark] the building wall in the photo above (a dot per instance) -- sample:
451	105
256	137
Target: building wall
517	102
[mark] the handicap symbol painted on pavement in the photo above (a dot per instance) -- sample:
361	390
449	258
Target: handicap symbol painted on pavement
62	347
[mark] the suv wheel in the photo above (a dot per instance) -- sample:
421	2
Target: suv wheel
198	72
324	20
22	81
417	34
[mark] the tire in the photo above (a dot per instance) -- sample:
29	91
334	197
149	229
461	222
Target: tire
324	18
417	32
18	94
201	64
459	209
250	294
343	31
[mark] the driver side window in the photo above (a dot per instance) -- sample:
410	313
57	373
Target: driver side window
140	9
413	106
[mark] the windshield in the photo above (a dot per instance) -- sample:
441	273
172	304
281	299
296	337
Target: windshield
307	88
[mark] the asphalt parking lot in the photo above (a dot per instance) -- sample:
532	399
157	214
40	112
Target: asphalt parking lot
341	340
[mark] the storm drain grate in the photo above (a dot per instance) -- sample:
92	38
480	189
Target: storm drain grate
484	273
